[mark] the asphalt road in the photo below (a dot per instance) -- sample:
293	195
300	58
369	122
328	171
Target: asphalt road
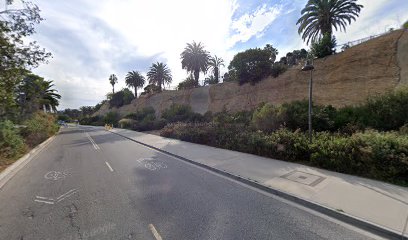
92	184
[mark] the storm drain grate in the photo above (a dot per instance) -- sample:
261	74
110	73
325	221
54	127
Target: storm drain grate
304	178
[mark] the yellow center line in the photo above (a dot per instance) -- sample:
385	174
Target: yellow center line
155	233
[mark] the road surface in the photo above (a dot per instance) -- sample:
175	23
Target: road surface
92	184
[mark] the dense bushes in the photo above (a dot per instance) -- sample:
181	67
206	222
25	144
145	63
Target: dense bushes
180	113
11	142
143	120
39	127
382	156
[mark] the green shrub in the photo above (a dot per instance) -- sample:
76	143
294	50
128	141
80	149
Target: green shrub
93	121
39	127
278	69
126	123
11	142
268	118
111	118
404	129
181	113
188	83
145	120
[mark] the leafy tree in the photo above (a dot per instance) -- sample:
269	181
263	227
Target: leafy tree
120	98
188	83
113	80
135	80
405	25
250	66
159	74
273	52
215	64
17	53
324	47
195	59
320	16
87	111
210	80
151	88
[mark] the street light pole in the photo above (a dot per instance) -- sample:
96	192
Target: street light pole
310	67
310	105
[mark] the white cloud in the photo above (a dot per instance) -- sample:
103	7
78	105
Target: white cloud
253	24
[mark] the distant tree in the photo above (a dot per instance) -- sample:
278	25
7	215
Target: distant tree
159	74
215	64
250	66
87	110
195	59
210	80
113	80
320	16
134	80
324	47
151	88
120	98
405	25
273	52
188	83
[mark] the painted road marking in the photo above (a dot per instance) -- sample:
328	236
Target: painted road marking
152	164
93	142
43	201
54	175
109	166
155	233
67	194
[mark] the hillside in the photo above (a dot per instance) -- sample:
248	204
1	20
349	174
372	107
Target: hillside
348	78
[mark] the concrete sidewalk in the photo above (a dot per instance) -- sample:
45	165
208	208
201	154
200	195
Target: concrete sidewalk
380	203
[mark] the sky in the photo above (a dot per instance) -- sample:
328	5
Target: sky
92	39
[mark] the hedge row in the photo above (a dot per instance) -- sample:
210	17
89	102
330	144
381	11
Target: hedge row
377	155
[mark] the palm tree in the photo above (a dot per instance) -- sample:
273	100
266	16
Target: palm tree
320	16
215	64
159	74
134	80
113	80
195	59
49	96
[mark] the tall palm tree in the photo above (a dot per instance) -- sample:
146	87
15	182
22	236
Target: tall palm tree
195	59
113	80
273	51
215	64
134	80
320	16
159	74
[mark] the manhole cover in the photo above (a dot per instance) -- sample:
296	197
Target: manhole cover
304	178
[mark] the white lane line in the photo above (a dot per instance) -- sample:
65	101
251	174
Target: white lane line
109	166
44	198
42	201
63	195
155	233
93	142
67	196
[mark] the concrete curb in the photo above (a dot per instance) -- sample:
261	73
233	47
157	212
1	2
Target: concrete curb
344	217
12	170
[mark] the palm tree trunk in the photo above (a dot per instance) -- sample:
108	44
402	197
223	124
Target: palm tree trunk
196	76
135	92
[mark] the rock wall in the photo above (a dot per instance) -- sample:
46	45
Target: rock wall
347	78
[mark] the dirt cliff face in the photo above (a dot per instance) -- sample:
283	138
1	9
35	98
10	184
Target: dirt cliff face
347	78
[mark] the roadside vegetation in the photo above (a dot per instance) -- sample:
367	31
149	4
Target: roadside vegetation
27	99
369	140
